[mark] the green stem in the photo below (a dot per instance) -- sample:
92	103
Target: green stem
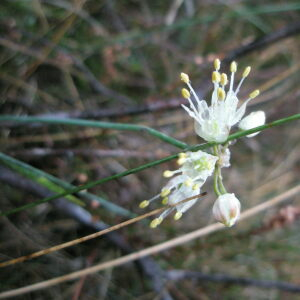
236	135
216	185
97	124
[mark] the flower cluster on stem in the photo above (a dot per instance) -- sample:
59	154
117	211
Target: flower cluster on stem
212	123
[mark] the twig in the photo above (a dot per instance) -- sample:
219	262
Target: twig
151	250
147	265
234	136
93	235
222	278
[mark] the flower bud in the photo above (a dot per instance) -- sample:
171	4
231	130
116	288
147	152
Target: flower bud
256	118
226	209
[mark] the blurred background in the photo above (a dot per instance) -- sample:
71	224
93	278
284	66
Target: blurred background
120	61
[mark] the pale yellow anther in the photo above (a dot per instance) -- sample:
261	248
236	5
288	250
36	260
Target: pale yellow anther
221	94
217	64
144	204
182	155
168	174
188	182
178	215
233	67
254	94
246	71
185	78
216	77
154	223
181	161
196	186
224	79
165	192
165	201
185	93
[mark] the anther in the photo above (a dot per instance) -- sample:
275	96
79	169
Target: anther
196	186
224	79
185	94
217	64
178	215
181	161
233	67
216	77
165	201
185	78
168	174
254	94
246	71
165	192
221	94
155	222
182	155
188	182
144	204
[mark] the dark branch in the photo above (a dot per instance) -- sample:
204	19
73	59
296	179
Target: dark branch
227	279
147	265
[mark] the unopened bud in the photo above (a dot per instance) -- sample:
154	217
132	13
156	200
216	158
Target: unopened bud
256	118
226	209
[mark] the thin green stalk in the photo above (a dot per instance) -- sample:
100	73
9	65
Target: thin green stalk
57	185
97	124
236	135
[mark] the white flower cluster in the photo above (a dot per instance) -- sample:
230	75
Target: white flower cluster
213	123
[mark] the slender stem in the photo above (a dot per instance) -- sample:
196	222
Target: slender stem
98	124
216	185
236	135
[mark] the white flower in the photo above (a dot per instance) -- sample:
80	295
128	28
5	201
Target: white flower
256	118
214	123
226	209
195	168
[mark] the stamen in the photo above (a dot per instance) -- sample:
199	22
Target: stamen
233	67
165	192
144	204
224	79
216	77
196	186
246	71
254	94
181	161
182	155
217	64
168	173
156	222
221	94
188	182
185	78
178	215
185	93
165	201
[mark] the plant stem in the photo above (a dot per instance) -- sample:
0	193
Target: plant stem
97	124
236	135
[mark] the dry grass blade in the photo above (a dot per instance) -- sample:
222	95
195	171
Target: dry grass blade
94	235
151	250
